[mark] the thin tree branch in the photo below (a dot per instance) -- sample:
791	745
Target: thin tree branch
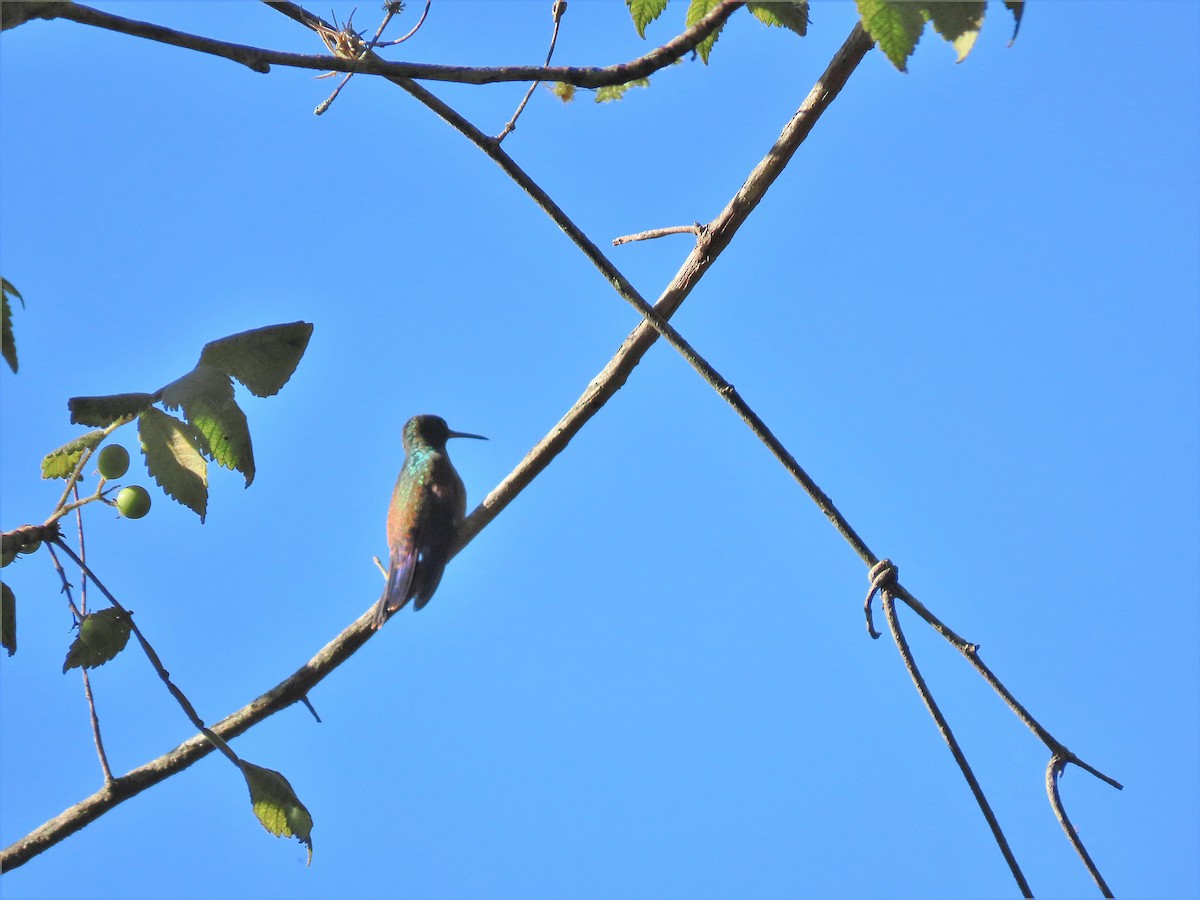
91	702
695	228
87	682
557	11
261	59
1053	771
400	40
889	609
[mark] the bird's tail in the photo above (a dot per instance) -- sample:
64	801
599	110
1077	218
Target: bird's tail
399	585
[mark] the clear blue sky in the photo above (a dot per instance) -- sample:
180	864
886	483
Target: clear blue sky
969	308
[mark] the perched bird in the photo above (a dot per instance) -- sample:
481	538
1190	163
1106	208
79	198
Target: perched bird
428	504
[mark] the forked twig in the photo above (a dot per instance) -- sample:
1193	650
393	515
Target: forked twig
889	610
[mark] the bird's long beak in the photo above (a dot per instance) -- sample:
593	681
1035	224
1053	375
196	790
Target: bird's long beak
454	434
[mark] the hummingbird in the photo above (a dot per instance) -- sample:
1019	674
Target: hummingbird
428	505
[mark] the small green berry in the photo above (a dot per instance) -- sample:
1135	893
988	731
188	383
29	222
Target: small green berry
133	501
114	461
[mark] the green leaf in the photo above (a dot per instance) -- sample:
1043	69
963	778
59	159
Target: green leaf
697	10
103	411
644	12
7	344
563	91
780	14
102	635
958	22
896	25
61	463
206	395
8	620
1017	8
617	91
263	359
174	459
276	804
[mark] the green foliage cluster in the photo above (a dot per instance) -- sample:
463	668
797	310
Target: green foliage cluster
176	449
213	426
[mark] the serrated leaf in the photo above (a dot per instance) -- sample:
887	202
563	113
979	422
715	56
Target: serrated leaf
61	463
644	12
103	411
276	804
563	91
895	25
102	635
263	359
206	395
226	433
8	345
8	619
783	14
7	288
617	91
697	10
174	459
958	22
1017	8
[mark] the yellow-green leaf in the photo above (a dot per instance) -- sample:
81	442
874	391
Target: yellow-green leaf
895	25
206	395
277	806
697	10
644	12
61	463
617	91
174	460
788	14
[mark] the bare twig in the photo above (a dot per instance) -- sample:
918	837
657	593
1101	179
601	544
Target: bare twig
87	682
695	228
889	610
1053	771
87	692
400	40
260	59
557	11
76	615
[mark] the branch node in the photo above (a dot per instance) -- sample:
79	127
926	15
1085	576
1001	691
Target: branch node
884	575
